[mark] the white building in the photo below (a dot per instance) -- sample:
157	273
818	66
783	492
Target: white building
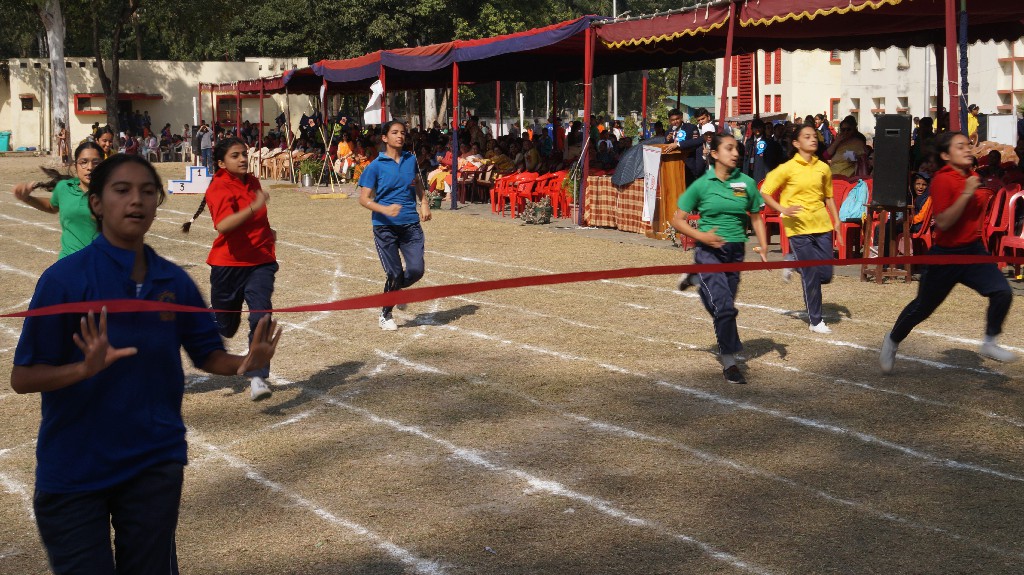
795	83
903	81
167	90
864	83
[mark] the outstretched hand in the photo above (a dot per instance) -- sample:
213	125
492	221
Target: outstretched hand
791	210
95	347
263	346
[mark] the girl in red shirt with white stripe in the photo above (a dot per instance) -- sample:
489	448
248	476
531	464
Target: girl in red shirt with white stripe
242	260
958	203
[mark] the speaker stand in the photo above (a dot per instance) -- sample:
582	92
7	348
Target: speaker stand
879	216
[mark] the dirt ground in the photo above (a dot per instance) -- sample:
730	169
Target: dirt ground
579	428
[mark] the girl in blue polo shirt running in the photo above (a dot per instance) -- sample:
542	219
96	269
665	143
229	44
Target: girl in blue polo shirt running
726	200
111	448
389	187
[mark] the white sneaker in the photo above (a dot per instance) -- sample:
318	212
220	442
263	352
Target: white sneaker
820	327
887	359
387	323
787	274
258	389
992	350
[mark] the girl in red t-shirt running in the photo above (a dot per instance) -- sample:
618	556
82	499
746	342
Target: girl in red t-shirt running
242	260
958	203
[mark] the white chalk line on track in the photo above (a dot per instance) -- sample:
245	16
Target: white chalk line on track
833	342
864	386
810	423
707	457
399	553
19	490
613	428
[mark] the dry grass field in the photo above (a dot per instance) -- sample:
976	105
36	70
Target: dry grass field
571	429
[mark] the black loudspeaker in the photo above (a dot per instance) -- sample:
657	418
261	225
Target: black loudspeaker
892	160
982	127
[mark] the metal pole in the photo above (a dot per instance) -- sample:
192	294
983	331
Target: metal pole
200	106
643	106
497	109
951	73
615	77
726	64
288	136
455	135
238	110
963	63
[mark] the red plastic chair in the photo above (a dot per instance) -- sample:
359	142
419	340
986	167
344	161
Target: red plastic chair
850	231
523	187
997	218
773	218
499	189
1012	244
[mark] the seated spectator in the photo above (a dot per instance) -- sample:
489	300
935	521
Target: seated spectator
848	148
531	157
131	144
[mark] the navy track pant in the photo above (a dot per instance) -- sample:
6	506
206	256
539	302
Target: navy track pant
395	244
232	285
718	292
938	280
813	247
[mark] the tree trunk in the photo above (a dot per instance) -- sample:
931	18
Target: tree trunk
53	22
442	110
111	83
138	37
430	107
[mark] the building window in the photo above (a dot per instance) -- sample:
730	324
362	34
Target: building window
735	105
778	103
767	67
903	106
778	68
26	104
767	103
833	108
877	59
856	60
903	58
735	70
877	105
932	105
834	57
854	105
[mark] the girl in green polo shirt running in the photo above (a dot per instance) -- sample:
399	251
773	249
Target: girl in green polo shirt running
68	199
726	200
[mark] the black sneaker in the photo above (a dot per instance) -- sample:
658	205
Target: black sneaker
733	375
685	282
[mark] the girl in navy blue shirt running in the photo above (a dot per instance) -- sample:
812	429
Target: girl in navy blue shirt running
389	187
111	448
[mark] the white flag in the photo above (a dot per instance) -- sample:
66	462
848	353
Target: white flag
371	115
652	164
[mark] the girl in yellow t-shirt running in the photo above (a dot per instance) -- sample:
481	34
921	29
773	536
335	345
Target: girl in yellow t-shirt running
805	202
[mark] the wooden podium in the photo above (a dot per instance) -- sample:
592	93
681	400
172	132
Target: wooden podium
671	185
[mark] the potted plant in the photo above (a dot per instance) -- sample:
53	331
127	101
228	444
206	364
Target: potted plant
308	171
435	198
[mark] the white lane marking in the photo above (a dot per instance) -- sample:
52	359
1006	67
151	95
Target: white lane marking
19	490
549	487
866	438
401	554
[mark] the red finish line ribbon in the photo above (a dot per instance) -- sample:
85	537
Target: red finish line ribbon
414	295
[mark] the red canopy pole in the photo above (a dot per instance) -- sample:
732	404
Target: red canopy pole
260	143
727	64
588	93
383	96
497	109
952	67
455	135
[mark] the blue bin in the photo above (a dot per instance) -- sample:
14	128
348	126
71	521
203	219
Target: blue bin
5	140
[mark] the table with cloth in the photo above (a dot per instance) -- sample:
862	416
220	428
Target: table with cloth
611	206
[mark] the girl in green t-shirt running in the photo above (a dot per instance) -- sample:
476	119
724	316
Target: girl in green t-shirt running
726	200
68	199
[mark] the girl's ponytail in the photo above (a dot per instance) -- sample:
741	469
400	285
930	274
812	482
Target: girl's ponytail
55	178
187	225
